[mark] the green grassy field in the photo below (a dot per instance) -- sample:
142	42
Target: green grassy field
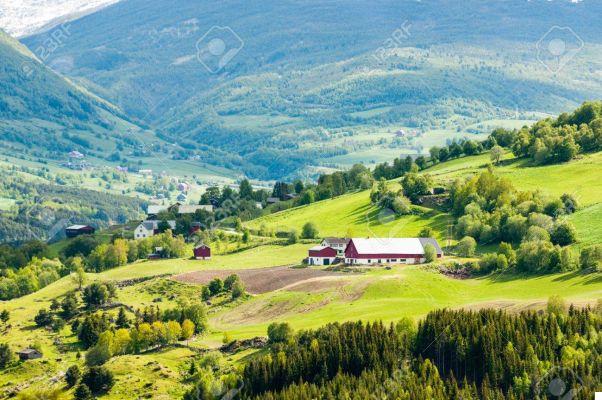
403	291
353	215
369	294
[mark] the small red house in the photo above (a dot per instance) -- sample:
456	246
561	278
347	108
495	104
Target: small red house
76	230
202	252
321	255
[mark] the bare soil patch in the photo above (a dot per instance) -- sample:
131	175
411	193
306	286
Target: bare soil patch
259	280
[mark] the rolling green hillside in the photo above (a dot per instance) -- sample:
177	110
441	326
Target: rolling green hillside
314	299
298	95
353	214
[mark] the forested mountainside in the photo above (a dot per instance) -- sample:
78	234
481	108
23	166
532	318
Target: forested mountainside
296	95
45	115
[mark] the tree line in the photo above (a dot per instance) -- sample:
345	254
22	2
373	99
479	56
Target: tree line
486	354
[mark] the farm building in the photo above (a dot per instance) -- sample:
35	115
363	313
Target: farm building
202	252
150	228
158	254
388	250
77	230
29	354
321	255
339	244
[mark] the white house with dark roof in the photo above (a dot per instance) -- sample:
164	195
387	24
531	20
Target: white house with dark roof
339	244
150	228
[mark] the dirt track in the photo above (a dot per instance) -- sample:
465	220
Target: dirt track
260	280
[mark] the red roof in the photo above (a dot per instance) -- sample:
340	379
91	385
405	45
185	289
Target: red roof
322	251
202	251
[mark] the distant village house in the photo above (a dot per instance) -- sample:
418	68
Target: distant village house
150	228
77	230
202	252
29	354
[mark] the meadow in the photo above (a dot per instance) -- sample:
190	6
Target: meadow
366	293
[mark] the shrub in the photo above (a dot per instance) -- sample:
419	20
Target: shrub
82	392
230	280
6	355
591	257
98	379
216	286
72	375
537	233
430	253
564	234
309	231
466	246
205	293
279	332
238	289
538	256
43	318
293	237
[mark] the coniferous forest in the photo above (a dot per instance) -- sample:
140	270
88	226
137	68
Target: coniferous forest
485	354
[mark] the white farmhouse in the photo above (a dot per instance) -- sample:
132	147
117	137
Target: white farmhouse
150	228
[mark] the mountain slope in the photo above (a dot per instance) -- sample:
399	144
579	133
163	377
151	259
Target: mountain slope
316	83
42	112
44	116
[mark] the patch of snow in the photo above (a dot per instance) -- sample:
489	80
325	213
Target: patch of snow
25	17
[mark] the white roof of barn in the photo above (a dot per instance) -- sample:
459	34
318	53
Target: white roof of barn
388	246
77	226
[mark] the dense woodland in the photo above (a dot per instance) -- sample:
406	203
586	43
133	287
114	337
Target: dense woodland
450	354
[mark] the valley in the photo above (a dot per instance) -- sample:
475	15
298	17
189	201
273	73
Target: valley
292	200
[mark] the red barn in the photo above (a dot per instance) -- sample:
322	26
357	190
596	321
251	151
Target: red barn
76	230
389	250
321	255
202	252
